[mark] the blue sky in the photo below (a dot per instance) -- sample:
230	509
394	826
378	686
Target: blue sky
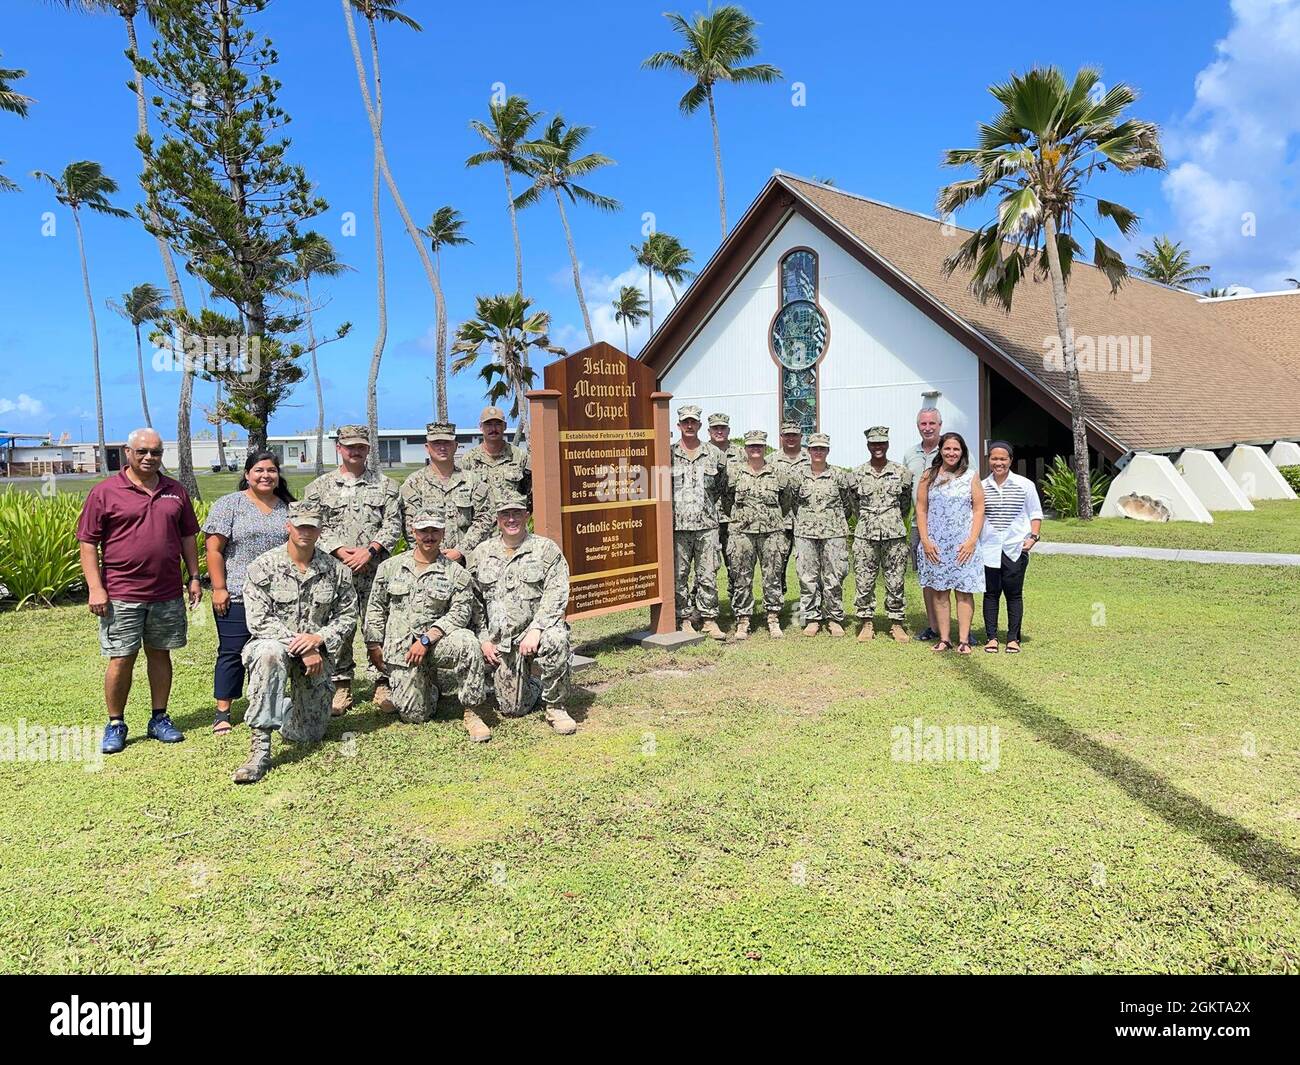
887	88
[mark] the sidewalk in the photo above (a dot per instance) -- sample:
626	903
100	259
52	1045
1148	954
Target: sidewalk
1166	554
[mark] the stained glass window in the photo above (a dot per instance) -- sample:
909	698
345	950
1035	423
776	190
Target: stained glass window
799	338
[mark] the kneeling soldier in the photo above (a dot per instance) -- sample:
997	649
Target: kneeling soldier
302	613
524	583
417	629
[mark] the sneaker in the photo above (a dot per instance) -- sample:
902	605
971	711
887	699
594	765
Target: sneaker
114	736
161	728
926	635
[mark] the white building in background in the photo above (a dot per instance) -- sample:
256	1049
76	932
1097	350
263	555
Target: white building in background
397	447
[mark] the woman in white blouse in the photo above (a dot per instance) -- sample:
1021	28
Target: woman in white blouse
1012	518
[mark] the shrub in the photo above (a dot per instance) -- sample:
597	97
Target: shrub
1060	489
1292	475
39	555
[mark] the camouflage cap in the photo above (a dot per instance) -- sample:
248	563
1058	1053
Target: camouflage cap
511	501
440	431
756	436
791	427
492	414
427	519
719	419
353	434
304	513
877	434
690	410
819	440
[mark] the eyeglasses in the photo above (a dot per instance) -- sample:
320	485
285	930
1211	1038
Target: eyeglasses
156	452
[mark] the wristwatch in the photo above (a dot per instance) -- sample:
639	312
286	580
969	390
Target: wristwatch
374	551
1034	536
424	639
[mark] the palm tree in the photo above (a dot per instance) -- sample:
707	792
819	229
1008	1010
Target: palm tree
504	326
630	306
443	231
1294	281
144	303
128	9
1036	154
669	259
1171	264
645	257
1215	293
84	184
506	133
552	165
315	257
713	45
15	103
375	12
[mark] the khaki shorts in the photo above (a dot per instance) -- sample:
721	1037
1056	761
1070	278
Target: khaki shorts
128	625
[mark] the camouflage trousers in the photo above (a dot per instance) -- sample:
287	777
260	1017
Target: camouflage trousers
696	593
305	715
769	551
821	566
724	555
345	666
517	690
455	661
869	557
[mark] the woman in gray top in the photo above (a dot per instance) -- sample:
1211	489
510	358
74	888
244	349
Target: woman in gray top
240	526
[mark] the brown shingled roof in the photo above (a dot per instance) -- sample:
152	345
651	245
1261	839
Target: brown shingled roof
1270	322
1212	383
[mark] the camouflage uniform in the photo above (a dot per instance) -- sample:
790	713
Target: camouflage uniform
281	601
464	501
405	603
699	481
356	511
526	589
793	470
734	455
880	539
511	471
758	516
822	502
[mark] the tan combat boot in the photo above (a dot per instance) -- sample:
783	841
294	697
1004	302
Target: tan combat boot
774	626
342	698
866	631
259	759
811	629
688	626
383	697
742	628
478	731
557	717
899	633
835	628
710	629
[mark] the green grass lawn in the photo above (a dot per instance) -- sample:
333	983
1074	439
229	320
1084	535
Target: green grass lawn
721	809
1274	525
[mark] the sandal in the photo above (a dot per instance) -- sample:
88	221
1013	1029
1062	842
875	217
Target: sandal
963	648
221	723
942	645
1013	647
991	648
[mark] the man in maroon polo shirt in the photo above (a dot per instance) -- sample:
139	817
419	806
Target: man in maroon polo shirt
135	528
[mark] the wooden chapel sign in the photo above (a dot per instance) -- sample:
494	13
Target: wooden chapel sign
600	441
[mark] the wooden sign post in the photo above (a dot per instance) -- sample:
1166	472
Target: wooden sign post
602	486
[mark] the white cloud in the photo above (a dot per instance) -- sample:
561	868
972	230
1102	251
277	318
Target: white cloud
600	291
24	404
1234	182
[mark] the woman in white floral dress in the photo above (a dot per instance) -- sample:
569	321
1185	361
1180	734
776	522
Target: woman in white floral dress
949	517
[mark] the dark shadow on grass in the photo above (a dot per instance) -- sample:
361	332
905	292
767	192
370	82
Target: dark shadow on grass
1266	860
